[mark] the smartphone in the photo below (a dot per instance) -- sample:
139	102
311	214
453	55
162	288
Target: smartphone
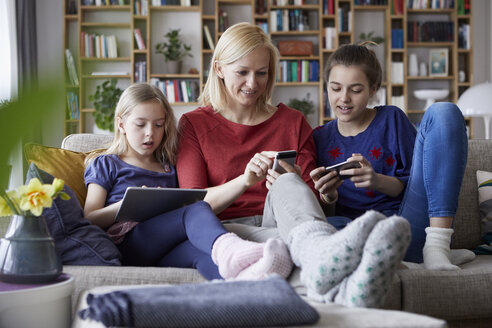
343	166
287	155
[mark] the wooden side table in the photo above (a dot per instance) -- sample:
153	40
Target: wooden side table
37	306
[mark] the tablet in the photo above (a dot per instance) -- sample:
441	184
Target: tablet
142	203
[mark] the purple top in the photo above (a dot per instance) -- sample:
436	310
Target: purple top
115	175
387	144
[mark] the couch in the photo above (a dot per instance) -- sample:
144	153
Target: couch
462	298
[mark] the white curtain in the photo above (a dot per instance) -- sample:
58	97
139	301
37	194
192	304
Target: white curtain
8	52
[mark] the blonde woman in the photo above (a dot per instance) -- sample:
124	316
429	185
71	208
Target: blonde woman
143	154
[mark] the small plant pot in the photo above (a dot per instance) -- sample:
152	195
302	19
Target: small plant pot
174	66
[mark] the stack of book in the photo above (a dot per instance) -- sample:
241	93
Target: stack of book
178	91
298	71
99	46
141	71
72	106
141	7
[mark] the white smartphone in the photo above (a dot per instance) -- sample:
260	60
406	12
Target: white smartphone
287	155
343	166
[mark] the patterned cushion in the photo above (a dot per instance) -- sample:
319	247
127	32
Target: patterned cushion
484	181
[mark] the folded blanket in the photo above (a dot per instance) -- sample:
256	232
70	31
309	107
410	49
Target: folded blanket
269	302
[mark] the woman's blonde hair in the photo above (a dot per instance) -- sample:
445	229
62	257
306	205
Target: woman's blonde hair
134	95
238	41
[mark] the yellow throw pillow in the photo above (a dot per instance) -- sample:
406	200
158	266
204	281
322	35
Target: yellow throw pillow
60	163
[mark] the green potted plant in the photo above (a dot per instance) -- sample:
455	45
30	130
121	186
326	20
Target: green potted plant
105	100
371	37
305	106
173	50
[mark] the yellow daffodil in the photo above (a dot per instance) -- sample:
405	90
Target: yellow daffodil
31	198
35	196
4	208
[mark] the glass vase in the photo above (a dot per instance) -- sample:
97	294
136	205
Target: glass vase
27	252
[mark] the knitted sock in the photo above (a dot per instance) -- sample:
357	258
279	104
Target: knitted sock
325	256
461	256
384	250
233	254
276	259
436	249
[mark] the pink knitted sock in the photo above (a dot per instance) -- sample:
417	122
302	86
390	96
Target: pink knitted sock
276	259
233	254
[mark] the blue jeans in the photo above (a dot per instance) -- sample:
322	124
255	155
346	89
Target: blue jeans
438	166
181	238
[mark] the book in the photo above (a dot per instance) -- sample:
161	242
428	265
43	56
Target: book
72	72
208	36
139	39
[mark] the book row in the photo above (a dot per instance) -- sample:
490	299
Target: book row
298	71
103	2
72	106
186	3
397	38
430	4
178	90
328	7
329	38
141	7
371	2
283	20
464	36
140	71
98	45
430	31
287	2
345	19
397	7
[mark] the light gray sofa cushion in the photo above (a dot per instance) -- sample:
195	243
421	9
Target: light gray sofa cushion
467	225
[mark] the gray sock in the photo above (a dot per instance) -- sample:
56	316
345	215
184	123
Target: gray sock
325	256
384	250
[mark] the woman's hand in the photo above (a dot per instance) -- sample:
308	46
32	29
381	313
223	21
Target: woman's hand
273	175
257	168
326	183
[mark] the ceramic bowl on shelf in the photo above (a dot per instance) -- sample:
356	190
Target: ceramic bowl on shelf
431	95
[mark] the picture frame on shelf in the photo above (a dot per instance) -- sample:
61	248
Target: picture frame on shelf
438	62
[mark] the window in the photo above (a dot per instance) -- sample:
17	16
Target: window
8	57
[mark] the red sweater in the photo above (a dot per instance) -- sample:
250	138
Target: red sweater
214	150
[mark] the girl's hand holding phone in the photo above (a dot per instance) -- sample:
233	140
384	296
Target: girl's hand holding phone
326	182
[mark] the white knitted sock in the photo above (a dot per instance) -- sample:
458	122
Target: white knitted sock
436	249
325	256
275	259
233	254
461	256
384	250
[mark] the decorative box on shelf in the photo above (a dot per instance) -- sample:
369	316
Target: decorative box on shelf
295	48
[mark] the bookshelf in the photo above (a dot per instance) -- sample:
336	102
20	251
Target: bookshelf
327	24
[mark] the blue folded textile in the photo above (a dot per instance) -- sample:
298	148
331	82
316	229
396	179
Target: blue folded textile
269	302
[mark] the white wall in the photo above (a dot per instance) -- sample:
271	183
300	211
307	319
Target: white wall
49	32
